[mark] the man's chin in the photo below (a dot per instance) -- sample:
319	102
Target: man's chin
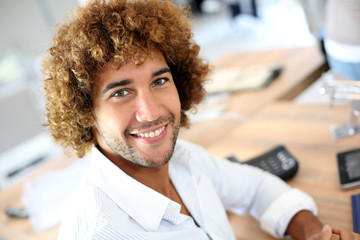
153	155
152	164
148	162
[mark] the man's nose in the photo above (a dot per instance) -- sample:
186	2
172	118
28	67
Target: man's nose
149	107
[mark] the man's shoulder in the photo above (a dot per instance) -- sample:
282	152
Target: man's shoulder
84	209
93	213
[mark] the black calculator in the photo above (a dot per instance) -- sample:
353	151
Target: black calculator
349	168
278	161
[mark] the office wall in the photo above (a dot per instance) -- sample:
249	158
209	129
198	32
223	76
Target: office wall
26	27
28	24
20	119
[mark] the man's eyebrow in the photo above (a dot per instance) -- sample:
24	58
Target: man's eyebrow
161	71
126	82
115	84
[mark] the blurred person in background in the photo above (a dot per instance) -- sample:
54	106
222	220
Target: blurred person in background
342	37
314	11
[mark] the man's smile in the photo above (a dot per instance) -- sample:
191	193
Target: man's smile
150	134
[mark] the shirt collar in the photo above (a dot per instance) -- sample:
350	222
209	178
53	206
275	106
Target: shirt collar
129	194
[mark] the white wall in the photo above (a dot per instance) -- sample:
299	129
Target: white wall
28	24
26	27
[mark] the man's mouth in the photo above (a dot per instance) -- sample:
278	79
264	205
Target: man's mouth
151	134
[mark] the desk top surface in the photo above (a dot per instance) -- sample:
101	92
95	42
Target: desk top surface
304	130
301	67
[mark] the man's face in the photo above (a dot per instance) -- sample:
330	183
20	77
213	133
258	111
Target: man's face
137	112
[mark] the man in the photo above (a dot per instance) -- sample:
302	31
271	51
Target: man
118	82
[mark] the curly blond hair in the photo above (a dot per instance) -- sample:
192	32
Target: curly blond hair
119	31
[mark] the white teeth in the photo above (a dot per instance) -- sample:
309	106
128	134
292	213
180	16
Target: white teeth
151	134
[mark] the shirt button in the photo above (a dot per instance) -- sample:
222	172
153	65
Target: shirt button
172	209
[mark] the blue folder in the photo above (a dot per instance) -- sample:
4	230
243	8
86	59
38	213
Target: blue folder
355	203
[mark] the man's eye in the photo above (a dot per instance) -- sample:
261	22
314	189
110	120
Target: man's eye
160	81
120	93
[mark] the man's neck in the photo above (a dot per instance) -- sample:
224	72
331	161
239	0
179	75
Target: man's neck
155	178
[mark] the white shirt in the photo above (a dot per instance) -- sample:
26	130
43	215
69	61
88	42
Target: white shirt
109	204
342	52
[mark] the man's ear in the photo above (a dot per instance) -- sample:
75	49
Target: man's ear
94	126
93	122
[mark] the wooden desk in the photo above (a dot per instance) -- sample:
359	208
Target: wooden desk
301	67
21	229
304	130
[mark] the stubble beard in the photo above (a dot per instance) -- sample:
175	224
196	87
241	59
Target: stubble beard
127	152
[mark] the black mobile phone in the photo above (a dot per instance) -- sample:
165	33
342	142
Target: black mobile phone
16	212
278	161
349	168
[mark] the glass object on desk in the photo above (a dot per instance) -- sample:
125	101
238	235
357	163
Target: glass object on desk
341	89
